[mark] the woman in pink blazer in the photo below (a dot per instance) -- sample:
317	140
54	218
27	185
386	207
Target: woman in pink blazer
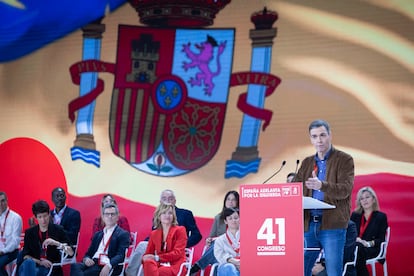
166	246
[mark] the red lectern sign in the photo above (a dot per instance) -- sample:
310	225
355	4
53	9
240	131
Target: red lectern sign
271	229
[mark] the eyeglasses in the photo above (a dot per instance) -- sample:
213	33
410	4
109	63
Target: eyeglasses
167	199
110	214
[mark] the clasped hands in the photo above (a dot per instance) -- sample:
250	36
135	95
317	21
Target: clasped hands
104	271
364	242
313	182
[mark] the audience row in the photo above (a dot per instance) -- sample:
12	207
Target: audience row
174	229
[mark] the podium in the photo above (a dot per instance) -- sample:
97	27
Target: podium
271	229
311	203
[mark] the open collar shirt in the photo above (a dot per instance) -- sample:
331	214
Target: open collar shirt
11	229
107	234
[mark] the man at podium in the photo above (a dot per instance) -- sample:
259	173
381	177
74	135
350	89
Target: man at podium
326	176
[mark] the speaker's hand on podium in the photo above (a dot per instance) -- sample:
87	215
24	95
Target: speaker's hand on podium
313	182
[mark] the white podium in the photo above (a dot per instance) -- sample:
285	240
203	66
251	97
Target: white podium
311	203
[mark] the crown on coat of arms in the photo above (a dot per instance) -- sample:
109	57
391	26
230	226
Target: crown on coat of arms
264	19
178	13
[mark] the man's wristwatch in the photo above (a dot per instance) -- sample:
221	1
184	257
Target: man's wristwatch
157	258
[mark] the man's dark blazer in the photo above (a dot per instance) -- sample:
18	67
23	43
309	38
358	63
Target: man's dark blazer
71	221
185	218
116	249
32	245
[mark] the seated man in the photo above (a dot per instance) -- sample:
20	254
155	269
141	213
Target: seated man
63	215
11	228
184	217
42	243
107	249
99	224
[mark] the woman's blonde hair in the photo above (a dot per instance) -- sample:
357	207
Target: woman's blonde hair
375	205
162	209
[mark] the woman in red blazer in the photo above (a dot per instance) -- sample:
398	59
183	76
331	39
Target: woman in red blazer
166	246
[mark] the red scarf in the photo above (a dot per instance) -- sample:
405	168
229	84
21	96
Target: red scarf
364	224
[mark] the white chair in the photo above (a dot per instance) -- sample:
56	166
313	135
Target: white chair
65	259
189	253
353	262
382	255
202	253
129	251
123	265
213	269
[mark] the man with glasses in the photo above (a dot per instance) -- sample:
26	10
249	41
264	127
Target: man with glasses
10	230
107	249
184	217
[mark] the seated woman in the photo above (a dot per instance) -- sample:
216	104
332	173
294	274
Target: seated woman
99	224
371	225
231	200
166	246
227	246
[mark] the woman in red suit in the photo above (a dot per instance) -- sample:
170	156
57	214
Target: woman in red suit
166	246
371	226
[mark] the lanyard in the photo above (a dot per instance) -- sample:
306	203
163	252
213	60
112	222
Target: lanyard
3	228
40	236
364	224
43	253
107	242
235	247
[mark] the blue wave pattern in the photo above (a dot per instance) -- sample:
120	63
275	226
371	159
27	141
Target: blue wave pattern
240	169
89	156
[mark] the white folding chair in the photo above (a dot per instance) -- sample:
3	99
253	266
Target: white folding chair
123	265
202	253
353	262
65	259
382	255
189	254
129	251
213	269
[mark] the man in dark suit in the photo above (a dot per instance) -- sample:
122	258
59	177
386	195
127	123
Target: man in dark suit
184	217
107	249
65	216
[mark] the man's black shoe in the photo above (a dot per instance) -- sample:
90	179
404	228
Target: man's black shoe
194	269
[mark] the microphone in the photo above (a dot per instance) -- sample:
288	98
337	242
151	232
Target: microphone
283	164
296	170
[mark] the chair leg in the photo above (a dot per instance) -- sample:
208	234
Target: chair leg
374	272
384	266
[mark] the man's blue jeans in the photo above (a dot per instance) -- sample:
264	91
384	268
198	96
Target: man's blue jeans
208	257
29	268
227	269
332	241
